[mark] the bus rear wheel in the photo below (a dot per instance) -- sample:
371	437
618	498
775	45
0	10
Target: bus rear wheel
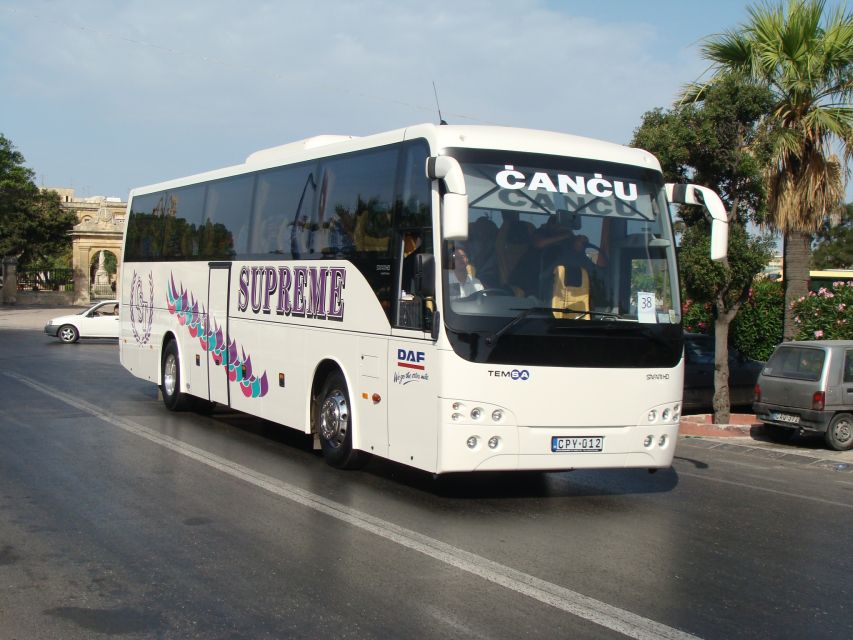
171	380
333	422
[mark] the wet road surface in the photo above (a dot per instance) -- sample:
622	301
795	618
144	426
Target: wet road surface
118	518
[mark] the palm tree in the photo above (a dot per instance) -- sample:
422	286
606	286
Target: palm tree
804	55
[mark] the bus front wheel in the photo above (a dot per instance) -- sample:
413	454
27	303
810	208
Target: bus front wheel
333	422
171	380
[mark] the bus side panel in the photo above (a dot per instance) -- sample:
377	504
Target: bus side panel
157	300
286	334
414	374
277	380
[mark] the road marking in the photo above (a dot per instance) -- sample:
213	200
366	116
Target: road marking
590	609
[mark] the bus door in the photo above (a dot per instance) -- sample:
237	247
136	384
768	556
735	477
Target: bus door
412	393
217	308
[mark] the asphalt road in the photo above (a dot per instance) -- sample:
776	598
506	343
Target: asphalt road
120	519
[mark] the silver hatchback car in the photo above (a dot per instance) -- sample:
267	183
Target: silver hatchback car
808	387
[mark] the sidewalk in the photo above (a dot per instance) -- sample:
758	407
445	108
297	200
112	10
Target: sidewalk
745	434
23	316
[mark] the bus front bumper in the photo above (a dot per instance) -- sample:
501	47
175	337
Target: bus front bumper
511	448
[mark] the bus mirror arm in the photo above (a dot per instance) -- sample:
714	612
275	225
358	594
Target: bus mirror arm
715	211
454	203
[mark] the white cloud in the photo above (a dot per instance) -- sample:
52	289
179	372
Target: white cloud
174	88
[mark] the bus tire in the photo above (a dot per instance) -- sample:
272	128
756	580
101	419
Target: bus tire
333	422
171	379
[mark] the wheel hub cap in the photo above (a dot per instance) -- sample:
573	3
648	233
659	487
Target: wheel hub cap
170	374
843	431
334	416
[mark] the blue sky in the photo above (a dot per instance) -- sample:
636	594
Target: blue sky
105	96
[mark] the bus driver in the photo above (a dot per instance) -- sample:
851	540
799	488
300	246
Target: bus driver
461	279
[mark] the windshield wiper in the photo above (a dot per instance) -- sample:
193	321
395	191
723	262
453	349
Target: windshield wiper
578	313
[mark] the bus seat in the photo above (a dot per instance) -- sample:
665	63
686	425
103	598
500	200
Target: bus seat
567	296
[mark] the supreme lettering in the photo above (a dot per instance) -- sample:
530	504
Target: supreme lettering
302	291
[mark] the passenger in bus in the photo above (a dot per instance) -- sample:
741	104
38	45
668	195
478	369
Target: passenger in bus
461	279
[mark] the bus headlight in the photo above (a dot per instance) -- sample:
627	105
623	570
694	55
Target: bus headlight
497	415
472	442
476	413
494	441
649	441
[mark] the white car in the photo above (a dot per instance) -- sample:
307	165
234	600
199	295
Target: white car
98	321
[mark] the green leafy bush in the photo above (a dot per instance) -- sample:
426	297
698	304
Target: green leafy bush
826	314
757	329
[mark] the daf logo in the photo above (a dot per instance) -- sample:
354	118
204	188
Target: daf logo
515	374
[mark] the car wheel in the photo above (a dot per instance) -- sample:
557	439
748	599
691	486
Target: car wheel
68	333
779	434
171	380
333	422
839	434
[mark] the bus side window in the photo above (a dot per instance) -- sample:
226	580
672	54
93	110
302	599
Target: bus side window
182	222
225	234
283	198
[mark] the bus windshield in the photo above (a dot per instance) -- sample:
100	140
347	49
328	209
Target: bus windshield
564	240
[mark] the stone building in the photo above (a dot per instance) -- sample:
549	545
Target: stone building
100	228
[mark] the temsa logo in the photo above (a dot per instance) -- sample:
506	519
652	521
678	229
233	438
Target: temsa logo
515	374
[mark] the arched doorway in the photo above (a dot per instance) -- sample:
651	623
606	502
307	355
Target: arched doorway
102	275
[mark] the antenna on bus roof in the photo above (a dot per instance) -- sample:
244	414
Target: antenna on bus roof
438	106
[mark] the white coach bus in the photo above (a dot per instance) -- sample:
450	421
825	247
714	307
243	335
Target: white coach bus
454	298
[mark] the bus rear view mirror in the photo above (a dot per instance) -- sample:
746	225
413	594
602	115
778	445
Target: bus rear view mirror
716	212
454	203
454	218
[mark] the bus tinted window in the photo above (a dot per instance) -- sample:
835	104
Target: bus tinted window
356	203
284	198
225	233
416	194
145	228
182	222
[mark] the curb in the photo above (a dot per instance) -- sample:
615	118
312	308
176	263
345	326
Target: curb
740	426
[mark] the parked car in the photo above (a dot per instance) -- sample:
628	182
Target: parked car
98	321
699	374
807	387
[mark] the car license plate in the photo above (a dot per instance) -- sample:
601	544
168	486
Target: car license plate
785	417
561	444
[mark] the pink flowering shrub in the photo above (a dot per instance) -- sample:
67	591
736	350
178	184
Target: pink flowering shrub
697	317
826	314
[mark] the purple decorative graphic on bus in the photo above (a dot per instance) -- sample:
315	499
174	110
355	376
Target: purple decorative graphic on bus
141	309
211	337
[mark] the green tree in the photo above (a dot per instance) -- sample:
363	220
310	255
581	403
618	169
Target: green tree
803	53
714	144
33	225
834	243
